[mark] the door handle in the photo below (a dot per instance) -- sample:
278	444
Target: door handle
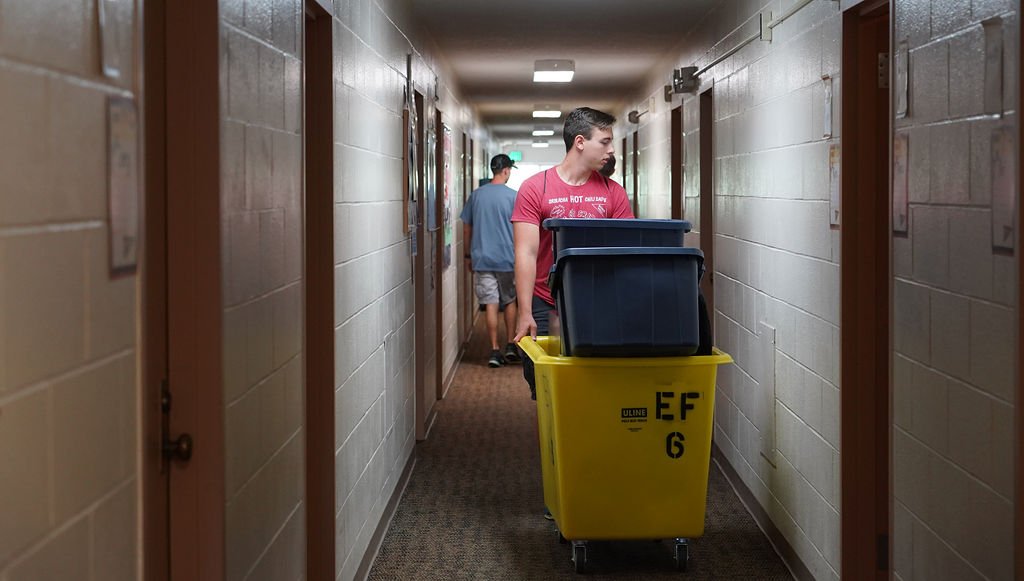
180	449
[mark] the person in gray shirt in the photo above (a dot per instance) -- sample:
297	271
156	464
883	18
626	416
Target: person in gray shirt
487	226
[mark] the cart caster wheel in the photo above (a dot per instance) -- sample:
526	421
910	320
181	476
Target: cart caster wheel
682	554
579	557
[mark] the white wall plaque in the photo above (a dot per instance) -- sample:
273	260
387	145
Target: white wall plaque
993	66
834	187
123	183
902	96
827	81
1004	200
900	213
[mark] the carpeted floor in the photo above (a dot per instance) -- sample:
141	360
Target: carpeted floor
473	507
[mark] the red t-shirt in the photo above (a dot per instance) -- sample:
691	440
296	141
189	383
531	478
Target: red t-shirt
545	195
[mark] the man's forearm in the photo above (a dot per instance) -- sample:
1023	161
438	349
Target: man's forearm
526	277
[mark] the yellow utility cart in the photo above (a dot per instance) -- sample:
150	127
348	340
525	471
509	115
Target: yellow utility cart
625	444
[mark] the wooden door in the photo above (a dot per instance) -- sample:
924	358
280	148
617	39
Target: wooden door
424	277
318	343
706	220
635	166
438	252
468	299
676	169
183	410
865	280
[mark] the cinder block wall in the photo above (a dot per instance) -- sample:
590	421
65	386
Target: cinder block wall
778	263
262	234
954	301
68	388
374	308
776	257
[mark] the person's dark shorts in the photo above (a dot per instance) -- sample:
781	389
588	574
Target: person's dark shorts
542	316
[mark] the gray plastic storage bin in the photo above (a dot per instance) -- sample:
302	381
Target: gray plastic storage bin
614	232
628	302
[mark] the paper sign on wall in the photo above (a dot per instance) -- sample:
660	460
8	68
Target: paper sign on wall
833	184
993	65
113	14
123	183
900	212
902	85
827	122
1004	201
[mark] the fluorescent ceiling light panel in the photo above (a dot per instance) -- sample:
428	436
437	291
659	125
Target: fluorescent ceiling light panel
553	71
543	132
539	143
546	112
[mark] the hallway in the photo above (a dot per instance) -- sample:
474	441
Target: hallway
472	508
234	299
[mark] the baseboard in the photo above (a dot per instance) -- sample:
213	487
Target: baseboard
450	380
797	567
385	519
430	421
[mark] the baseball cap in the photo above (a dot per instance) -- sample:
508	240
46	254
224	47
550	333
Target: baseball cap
500	162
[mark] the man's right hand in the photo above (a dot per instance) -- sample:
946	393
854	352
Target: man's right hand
525	326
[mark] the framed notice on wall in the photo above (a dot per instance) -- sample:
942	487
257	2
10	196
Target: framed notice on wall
449	231
834	187
1004	202
900	212
123	183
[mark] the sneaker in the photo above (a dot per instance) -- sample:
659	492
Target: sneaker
547	514
512	354
496	360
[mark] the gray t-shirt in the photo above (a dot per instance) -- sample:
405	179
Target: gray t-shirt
489	212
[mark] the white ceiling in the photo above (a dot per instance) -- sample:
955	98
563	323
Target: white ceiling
491	48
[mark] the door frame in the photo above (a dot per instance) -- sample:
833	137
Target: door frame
706	104
318	338
424	414
866	301
184	521
439	185
636	174
153	278
625	169
466	287
1019	404
676	169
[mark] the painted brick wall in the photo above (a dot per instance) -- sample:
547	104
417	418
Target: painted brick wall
261	103
954	305
68	387
374	310
777	262
776	257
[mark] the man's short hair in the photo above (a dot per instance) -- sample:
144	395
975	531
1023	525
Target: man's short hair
582	121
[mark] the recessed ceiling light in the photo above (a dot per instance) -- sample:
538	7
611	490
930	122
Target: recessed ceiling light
539	143
543	131
546	112
553	71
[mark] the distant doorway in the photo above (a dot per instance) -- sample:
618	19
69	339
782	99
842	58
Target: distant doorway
424	274
318	199
706	219
865	289
676	169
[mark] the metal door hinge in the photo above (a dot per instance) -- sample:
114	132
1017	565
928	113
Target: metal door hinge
883	70
181	447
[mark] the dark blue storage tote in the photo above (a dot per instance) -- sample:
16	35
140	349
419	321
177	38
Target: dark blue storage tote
628	302
614	232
